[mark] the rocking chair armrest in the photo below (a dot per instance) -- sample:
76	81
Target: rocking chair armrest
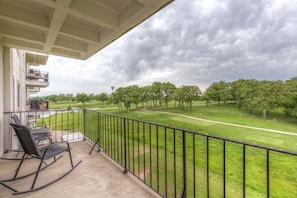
56	144
50	146
40	130
54	149
65	142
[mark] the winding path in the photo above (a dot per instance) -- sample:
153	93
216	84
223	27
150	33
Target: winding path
230	124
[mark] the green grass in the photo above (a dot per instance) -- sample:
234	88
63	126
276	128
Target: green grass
282	167
276	140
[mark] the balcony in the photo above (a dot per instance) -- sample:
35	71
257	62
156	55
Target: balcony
33	90
170	162
36	78
96	176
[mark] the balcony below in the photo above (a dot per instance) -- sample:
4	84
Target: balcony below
36	78
33	90
96	176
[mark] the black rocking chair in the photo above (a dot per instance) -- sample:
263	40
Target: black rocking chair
38	134
30	148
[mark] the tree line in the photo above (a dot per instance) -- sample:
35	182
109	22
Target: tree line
250	94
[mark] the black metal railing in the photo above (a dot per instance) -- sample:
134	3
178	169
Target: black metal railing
34	74
182	163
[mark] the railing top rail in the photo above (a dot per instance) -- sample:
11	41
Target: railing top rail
32	111
170	127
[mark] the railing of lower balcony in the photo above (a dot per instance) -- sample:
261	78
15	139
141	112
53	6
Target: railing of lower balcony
37	75
182	163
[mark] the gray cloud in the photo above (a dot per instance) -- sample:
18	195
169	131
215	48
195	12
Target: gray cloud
194	42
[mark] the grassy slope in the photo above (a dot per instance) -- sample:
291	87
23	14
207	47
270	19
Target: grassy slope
229	113
282	167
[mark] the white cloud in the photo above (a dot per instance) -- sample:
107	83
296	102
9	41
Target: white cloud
190	42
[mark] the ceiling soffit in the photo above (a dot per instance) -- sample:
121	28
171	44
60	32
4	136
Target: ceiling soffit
70	28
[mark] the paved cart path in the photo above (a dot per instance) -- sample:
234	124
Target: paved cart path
230	124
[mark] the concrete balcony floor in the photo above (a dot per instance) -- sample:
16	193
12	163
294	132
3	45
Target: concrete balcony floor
97	176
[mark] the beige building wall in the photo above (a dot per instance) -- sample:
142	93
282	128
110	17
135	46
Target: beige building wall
13	88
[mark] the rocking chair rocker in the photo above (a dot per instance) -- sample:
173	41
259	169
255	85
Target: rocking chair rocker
30	148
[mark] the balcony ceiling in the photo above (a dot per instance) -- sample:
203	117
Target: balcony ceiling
70	28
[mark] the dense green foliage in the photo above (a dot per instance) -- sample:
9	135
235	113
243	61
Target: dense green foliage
252	95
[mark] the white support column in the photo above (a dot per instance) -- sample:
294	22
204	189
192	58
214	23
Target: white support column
1	103
8	99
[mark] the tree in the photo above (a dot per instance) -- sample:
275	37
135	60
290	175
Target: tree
121	96
218	91
190	93
251	93
238	91
267	96
82	98
101	97
156	93
186	93
69	97
61	97
289	97
91	96
178	96
144	95
167	90
52	98
134	92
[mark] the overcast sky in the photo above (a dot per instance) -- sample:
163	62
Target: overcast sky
190	42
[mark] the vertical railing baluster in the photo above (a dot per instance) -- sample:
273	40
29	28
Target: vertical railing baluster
84	122
184	193
138	146
158	171
72	113
56	124
151	170
194	164
166	167
105	133
207	166
268	173
118	137
174	161
125	146
62	124
144	159
224	164
114	136
133	156
128	143
67	122
98	130
121	140
244	172
108	135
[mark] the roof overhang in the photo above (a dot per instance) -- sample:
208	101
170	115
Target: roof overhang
70	28
36	59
